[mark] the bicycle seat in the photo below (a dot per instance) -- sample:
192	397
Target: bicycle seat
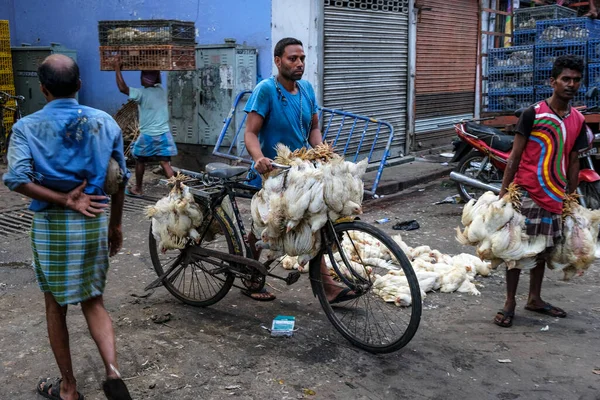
495	138
224	171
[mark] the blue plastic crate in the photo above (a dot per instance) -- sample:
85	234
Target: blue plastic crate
543	92
567	30
515	59
527	17
546	54
593	75
524	37
509	102
593	55
513	82
541	76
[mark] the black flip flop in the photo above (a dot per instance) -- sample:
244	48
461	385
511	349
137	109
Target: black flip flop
547	310
52	389
344	296
505	316
263	290
115	389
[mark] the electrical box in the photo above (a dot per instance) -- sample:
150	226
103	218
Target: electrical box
26	60
200	101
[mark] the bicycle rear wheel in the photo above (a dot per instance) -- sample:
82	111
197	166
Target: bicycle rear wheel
199	282
367	321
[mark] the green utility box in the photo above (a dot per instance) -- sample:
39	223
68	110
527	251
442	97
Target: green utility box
200	101
26	60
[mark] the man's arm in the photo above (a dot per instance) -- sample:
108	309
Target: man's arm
254	123
513	162
76	200
573	172
123	88
315	137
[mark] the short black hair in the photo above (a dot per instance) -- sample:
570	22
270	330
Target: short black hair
283	43
568	61
60	82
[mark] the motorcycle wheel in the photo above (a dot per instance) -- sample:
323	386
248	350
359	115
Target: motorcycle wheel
469	166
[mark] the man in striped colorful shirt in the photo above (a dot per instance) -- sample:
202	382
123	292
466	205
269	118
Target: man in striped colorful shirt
544	163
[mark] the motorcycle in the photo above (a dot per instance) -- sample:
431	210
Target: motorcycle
482	153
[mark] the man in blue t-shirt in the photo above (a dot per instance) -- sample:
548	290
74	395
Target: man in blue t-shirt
283	109
155	141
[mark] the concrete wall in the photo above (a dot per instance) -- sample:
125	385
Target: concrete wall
73	23
7	11
302	20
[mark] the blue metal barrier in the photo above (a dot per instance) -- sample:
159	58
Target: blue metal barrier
353	136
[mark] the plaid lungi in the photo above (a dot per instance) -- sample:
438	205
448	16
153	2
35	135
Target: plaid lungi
541	222
152	146
70	254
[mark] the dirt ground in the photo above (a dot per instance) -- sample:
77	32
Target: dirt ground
223	352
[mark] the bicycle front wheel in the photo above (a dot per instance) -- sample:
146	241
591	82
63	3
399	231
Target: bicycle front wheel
360	254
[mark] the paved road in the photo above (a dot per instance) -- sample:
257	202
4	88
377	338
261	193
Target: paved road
222	352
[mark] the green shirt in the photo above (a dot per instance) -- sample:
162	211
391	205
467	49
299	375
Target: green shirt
152	105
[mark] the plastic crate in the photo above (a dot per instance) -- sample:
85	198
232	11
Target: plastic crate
4	29
524	37
546	54
515	59
541	76
593	75
593	55
527	18
543	92
158	32
509	103
6	78
6	62
137	58
516	83
567	30
10	89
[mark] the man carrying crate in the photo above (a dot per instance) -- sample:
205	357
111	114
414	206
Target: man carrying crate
155	141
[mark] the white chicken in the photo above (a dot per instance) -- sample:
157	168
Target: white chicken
175	217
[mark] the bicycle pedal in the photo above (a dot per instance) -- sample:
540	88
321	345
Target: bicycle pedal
292	277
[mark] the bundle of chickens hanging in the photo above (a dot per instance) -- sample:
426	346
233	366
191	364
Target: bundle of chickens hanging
175	217
294	204
497	229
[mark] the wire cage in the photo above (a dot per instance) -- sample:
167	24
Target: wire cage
510	102
138	58
541	76
515	59
593	55
524	37
527	18
567	30
158	32
546	54
543	92
593	75
510	83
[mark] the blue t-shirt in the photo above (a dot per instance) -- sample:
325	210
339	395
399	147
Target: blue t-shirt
282	115
153	109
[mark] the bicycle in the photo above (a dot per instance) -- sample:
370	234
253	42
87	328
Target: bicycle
17	114
203	273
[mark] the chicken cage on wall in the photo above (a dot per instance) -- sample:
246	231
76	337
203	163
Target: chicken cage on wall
507	101
567	30
510	82
544	92
513	59
593	55
524	37
139	58
527	18
546	54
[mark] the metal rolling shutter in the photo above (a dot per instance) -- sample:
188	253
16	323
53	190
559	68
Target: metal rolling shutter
446	68
366	62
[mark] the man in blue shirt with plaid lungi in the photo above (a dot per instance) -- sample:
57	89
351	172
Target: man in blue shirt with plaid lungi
59	157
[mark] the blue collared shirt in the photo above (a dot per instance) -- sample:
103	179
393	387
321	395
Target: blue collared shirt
60	146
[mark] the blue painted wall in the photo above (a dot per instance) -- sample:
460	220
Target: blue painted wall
74	24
